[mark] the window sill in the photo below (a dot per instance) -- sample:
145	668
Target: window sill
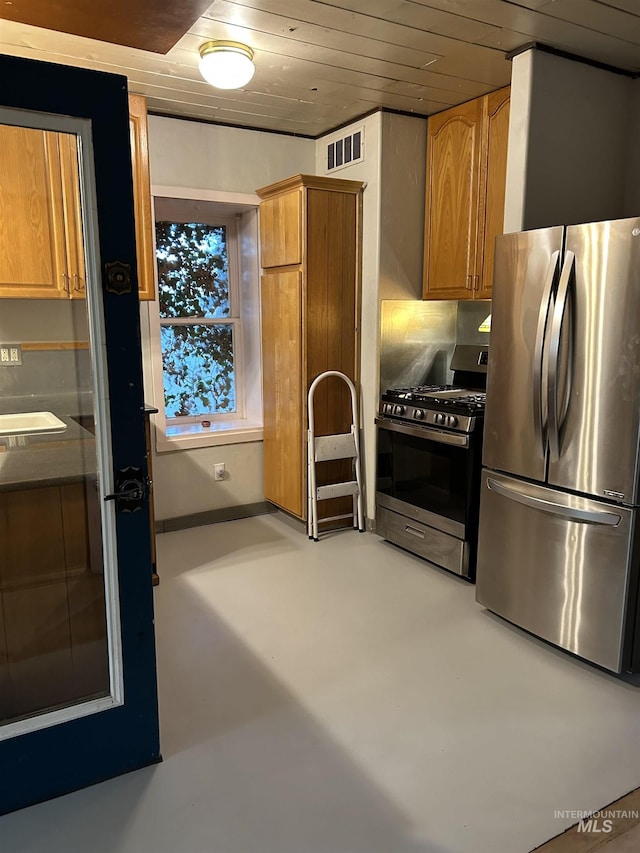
194	435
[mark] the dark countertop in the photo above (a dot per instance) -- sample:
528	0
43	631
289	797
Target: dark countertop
49	459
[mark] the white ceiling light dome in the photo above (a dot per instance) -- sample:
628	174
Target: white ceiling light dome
226	64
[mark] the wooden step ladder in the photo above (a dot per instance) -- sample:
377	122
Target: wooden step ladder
325	448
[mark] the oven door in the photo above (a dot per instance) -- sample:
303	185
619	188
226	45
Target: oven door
429	475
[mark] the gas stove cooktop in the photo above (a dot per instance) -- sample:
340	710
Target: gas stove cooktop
451	406
438	396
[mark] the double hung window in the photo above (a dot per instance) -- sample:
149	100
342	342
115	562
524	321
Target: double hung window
204	327
199	319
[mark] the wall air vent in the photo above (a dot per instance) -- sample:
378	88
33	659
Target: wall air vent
346	150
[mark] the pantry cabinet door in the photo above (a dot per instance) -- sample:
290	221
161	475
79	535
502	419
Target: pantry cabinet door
454	143
281	298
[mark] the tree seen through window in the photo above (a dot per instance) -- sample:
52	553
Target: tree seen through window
196	324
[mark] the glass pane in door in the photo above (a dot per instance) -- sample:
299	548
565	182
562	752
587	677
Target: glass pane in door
54	635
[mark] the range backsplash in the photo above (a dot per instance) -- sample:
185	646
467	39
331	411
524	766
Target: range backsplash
418	338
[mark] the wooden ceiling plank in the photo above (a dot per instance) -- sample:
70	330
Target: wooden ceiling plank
400	24
623	5
483	63
506	40
309	34
399	87
270	48
154	25
603	19
541	26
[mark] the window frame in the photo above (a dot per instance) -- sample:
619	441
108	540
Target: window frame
234	319
239	211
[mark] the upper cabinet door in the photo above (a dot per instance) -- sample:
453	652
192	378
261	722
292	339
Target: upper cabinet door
33	252
72	210
454	144
138	132
281	230
494	178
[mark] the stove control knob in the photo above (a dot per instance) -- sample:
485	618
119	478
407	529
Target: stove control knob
440	418
399	410
452	421
418	414
387	409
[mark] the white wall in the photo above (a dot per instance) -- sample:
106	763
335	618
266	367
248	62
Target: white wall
207	156
211	157
392	238
518	147
568	141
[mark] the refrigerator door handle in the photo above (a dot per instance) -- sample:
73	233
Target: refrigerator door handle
608	519
539	423
554	355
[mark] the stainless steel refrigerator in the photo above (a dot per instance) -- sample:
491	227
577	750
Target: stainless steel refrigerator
558	549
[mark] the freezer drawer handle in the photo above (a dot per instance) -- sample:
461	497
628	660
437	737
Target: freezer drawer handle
609	519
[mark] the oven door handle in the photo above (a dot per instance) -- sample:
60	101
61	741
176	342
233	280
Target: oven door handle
425	432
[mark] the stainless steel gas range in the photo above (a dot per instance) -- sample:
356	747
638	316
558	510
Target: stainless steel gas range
429	462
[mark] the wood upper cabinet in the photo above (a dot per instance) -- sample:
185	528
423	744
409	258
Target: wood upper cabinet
310	254
41	241
41	236
494	182
281	230
466	171
138	130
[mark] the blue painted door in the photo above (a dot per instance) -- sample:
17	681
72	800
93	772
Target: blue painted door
78	697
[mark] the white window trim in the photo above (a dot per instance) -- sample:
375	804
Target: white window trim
246	424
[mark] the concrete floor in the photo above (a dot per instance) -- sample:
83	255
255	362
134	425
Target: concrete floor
346	697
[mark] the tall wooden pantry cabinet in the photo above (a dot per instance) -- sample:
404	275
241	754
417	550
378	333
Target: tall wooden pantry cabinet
310	236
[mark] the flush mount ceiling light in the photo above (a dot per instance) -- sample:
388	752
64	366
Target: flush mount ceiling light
226	64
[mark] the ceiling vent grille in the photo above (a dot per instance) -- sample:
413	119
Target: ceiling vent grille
346	150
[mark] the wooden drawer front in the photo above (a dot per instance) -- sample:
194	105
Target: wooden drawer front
281	230
434	545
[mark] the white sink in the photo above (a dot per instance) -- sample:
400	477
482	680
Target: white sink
30	422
